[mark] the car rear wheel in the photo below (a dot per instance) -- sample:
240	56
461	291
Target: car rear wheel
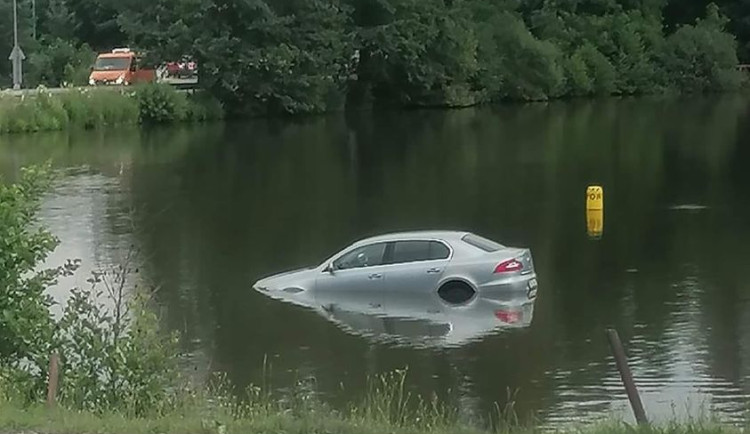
456	292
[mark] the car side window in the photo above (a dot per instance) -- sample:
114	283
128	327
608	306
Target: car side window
410	251
365	256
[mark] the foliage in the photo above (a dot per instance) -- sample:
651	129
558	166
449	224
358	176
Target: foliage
25	326
262	57
422	54
95	108
44	111
115	358
202	106
99	107
517	65
214	416
59	63
701	57
160	104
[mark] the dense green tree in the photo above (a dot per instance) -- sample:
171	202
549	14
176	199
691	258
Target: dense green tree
702	57
58	20
59	62
419	52
514	63
301	56
291	57
96	23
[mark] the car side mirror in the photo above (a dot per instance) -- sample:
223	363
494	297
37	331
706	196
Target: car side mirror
329	268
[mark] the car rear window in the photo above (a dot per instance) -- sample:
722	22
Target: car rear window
438	250
481	243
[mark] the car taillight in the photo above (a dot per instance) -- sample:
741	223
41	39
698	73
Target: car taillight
508	316
509	266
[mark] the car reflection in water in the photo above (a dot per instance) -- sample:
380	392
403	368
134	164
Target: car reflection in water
411	317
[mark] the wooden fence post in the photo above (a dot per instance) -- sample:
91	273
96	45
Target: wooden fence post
54	362
627	377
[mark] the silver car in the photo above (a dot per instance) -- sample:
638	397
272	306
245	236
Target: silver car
457	266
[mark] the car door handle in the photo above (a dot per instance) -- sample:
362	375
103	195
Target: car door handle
375	276
433	270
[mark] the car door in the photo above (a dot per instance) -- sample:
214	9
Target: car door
416	265
356	281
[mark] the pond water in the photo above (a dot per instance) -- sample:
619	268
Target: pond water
211	209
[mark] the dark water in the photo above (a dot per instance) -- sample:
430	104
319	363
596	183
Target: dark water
214	208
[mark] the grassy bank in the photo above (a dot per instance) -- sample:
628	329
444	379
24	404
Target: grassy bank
60	421
95	108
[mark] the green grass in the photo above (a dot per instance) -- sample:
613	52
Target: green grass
60	421
387	407
91	108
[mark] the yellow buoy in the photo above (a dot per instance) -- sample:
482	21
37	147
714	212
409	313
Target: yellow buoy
594	197
595	223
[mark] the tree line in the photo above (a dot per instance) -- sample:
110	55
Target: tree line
302	56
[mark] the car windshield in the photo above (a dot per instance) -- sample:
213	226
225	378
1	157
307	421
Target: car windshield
112	63
481	243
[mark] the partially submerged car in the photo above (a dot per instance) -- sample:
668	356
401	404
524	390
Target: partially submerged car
457	266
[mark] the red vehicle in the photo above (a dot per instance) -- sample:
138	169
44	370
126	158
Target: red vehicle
120	67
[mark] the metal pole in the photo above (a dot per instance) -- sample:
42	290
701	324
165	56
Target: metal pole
15	23
627	377
33	19
17	55
16	83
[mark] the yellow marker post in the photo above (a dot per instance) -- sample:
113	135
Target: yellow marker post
595	223
594	197
595	211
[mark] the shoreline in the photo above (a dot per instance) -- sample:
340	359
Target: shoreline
90	108
205	419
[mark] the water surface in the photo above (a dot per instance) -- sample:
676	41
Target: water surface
214	208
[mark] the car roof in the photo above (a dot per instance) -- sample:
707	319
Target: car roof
116	55
415	235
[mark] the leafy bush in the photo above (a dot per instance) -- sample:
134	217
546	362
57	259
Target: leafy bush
702	57
518	65
40	112
601	72
115	358
93	108
59	63
26	328
424	55
577	74
202	106
158	103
